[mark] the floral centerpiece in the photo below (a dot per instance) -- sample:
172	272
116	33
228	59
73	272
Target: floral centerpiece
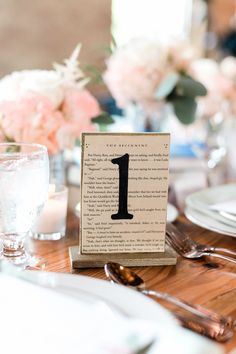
147	73
215	132
220	80
49	107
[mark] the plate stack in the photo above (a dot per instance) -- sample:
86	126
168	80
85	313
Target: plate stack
214	209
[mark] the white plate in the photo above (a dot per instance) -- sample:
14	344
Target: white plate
69	324
213	195
208	222
198	208
128	301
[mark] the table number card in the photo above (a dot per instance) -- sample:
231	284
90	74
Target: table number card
124	189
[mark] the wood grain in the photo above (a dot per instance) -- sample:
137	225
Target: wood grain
206	282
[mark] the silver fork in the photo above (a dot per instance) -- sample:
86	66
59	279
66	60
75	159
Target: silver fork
188	248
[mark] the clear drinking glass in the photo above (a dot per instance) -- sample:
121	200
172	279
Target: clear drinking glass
24	180
210	144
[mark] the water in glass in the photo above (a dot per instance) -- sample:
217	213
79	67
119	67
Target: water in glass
24	178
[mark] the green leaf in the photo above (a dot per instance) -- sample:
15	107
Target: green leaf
103	119
166	86
186	86
113	44
93	73
77	142
110	48
103	128
185	109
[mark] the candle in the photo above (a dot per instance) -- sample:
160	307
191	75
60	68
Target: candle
52	219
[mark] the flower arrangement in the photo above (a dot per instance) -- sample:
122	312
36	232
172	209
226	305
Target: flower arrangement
220	81
148	73
50	107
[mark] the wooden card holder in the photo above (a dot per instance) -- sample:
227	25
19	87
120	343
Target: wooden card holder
79	260
124	190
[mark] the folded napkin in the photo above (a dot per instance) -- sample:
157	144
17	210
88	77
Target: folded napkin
39	320
228	206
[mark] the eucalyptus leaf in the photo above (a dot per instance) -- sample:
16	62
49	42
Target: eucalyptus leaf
103	119
93	73
185	109
103	128
166	86
186	86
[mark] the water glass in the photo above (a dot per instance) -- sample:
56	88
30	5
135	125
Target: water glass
24	179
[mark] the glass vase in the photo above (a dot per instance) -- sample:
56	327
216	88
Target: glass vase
57	169
162	119
141	121
210	144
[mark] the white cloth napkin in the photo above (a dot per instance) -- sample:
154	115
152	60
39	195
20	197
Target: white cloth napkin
38	320
228	206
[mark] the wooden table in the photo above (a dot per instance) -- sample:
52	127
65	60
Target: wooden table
207	282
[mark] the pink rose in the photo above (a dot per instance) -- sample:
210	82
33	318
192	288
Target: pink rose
228	68
219	86
79	107
134	72
48	107
180	55
208	72
66	136
31	119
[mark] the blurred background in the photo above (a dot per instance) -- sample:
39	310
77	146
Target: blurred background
34	34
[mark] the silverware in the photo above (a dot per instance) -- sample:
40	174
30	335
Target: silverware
188	248
198	319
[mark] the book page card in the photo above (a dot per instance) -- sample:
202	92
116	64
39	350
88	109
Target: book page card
124	189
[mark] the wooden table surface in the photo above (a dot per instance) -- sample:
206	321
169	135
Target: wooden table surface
206	282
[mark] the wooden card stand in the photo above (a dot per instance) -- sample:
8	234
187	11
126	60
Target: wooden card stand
124	190
79	260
